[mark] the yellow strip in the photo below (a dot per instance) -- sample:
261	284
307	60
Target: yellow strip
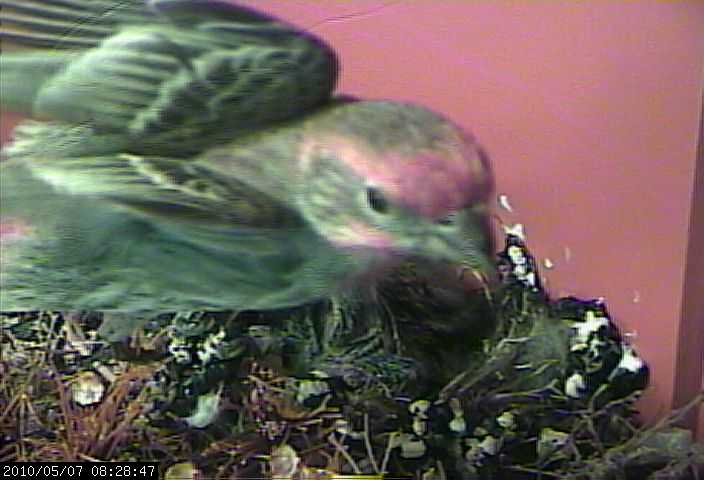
357	477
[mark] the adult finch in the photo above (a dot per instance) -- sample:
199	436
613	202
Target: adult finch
189	155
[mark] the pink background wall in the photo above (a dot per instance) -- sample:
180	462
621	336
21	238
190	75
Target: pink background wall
590	112
691	347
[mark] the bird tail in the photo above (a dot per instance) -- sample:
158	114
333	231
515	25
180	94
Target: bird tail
23	75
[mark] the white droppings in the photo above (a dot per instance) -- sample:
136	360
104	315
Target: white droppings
503	203
516	255
506	420
516	230
420	408
574	385
104	371
412	447
87	389
433	474
520	271
207	409
636	296
179	350
342	426
595	347
210	350
584	329
182	471
284	462
458	425
629	360
490	445
420	426
310	388
455	406
550	440
478	450
547	263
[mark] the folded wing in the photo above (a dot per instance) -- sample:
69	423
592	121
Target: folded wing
166	76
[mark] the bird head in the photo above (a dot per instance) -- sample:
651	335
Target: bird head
396	179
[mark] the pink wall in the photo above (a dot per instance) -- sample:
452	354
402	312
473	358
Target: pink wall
689	379
590	112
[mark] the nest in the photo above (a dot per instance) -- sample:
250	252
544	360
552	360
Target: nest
507	383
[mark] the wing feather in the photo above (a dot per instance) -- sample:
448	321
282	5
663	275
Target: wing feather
130	92
209	69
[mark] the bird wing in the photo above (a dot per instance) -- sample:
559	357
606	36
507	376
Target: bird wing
189	192
164	76
132	91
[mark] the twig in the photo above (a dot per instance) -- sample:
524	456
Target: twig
343	451
368	444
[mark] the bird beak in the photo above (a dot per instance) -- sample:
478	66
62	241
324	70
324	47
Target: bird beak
457	264
466	254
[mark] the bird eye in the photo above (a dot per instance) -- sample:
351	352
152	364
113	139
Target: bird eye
448	219
377	200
